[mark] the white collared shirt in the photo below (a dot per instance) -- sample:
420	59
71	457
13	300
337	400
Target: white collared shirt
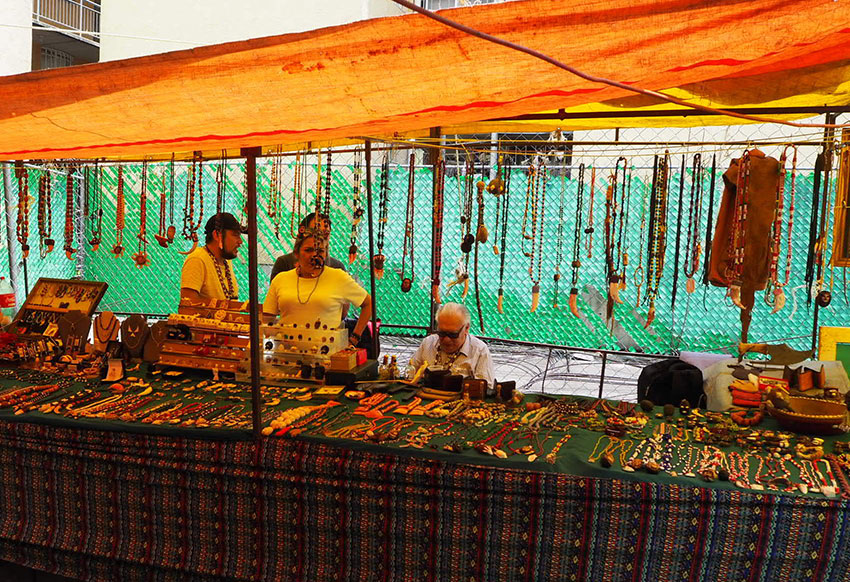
473	358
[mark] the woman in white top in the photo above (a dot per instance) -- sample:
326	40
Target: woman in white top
313	292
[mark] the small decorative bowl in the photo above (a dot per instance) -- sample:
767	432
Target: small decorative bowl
810	415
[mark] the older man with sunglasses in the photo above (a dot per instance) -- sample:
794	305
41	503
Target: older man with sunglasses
453	347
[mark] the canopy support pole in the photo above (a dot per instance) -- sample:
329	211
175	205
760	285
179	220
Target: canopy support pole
253	291
370	216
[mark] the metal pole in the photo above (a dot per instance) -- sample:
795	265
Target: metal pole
546	371
11	234
602	373
253	291
80	223
371	247
828	136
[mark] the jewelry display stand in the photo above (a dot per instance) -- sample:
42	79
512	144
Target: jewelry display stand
134	334
106	328
49	299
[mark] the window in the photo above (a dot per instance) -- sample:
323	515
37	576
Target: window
53	59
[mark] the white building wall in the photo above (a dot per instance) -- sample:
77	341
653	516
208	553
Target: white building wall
15	36
132	29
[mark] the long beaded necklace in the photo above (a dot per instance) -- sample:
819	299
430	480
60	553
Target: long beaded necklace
190	226
297	194
465	190
120	209
69	212
709	223
589	230
160	235
502	208
326	210
693	248
575	265
407	282
657	245
356	208
538	197
383	209
480	237
96	206
22	224
559	240
274	209
141	257
638	272
678	237
774	291
226	280
45	213
437	218
613	227
738	232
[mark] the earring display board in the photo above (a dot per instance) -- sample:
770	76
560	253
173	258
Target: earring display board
50	299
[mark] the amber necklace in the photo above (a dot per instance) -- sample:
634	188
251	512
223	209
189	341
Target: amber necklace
575	265
383	208
22	228
467	239
274	209
657	237
774	294
226	281
141	257
502	209
437	217
120	208
297	191
589	230
45	213
693	248
407	282
538	195
69	212
559	239
356	208
190	226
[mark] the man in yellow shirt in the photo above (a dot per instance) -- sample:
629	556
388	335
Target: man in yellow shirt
207	271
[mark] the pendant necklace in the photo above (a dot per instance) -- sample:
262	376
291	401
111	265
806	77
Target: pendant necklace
575	265
480	237
613	228
22	224
274	202
589	230
467	239
504	201
657	237
326	210
383	208
297	191
679	212
141	257
356	208
559	238
45	213
190	227
96	207
226	280
709	224
407	282
69	212
298	286
774	292
541	177
120	209
437	217
638	273
160	235
624	212
738	233
171	231
693	247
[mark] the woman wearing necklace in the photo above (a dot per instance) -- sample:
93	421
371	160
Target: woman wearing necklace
314	293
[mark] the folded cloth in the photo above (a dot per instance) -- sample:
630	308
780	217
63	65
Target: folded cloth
748	396
746	403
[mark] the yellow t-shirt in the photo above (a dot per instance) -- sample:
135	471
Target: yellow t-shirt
301	300
199	273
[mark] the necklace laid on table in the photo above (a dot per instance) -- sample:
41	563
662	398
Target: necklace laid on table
120	208
298	286
356	208
226	280
141	257
379	259
437	217
22	224
45	214
657	245
407	282
575	265
69	212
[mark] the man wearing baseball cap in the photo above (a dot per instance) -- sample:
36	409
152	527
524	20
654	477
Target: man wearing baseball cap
207	271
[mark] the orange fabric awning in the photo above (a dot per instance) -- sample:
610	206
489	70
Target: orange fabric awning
405	74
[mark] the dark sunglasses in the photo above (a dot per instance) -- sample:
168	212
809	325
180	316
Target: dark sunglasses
451	334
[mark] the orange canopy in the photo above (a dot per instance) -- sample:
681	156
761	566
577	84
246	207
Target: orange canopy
402	75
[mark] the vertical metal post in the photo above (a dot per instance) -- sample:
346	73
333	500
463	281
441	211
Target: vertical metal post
11	233
433	156
370	217
602	373
80	224
253	291
828	137
546	371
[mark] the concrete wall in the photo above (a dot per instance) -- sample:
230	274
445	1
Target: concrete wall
15	36
132	29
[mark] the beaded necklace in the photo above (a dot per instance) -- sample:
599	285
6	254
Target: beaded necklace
22	224
69	212
678	237
774	291
225	281
538	193
638	272
480	237
45	213
190	227
589	230
693	248
326	209
297	194
465	192
738	232
160	235
407	282
141	257
576	262
559	240
657	236
437	219
383	208
709	223
502	206
356	208
274	209
613	231
120	208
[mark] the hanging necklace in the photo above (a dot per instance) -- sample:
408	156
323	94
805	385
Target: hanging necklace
69	212
171	230
638	273
657	245
120	209
45	214
22	225
612	240
141	257
589	230
774	291
437	218
678	238
503	209
160	235
559	239
97	209
297	191
274	201
576	262
481	237
407	282
693	248
226	280
298	286
190	226
356	209
541	177
709	224
326	210
738	233
467	239
383	208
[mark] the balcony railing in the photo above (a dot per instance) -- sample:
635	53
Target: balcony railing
77	18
